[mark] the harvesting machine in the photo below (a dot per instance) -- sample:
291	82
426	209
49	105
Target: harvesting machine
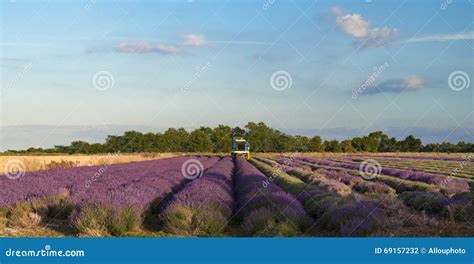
240	146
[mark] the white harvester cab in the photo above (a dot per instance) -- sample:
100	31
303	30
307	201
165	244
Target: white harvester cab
240	146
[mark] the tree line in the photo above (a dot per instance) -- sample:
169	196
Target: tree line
261	137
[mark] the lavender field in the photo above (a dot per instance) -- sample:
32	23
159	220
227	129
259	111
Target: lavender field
272	195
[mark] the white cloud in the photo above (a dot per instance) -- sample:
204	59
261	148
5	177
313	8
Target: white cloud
356	26
145	47
443	37
411	83
166	49
414	82
336	11
195	40
142	47
353	25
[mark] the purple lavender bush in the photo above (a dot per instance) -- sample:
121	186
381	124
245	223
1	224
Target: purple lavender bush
204	206
123	192
265	209
346	213
357	218
416	157
461	207
321	182
128	198
452	185
433	203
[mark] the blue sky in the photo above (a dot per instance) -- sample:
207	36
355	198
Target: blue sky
85	69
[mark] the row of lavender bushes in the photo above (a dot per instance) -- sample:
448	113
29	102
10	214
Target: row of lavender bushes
340	181
118	204
264	208
456	207
413	157
452	185
333	206
97	200
462	169
204	206
350	177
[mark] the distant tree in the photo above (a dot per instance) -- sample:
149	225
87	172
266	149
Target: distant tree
238	132
315	144
206	130
300	143
222	138
432	147
79	147
332	146
464	147
175	140
346	146
260	137
389	145
356	142
96	148
410	144
199	142
283	143
150	142
114	144
134	142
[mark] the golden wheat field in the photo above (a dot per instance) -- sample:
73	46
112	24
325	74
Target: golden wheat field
42	162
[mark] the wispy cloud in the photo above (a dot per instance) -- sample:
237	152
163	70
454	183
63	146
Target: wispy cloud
411	83
145	47
365	36
178	45
243	42
199	40
195	40
443	37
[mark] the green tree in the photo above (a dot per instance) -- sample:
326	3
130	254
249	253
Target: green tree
357	143
222	138
238	132
315	144
300	143
175	140
332	146
199	142
389	145
410	144
346	146
134	142
261	137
